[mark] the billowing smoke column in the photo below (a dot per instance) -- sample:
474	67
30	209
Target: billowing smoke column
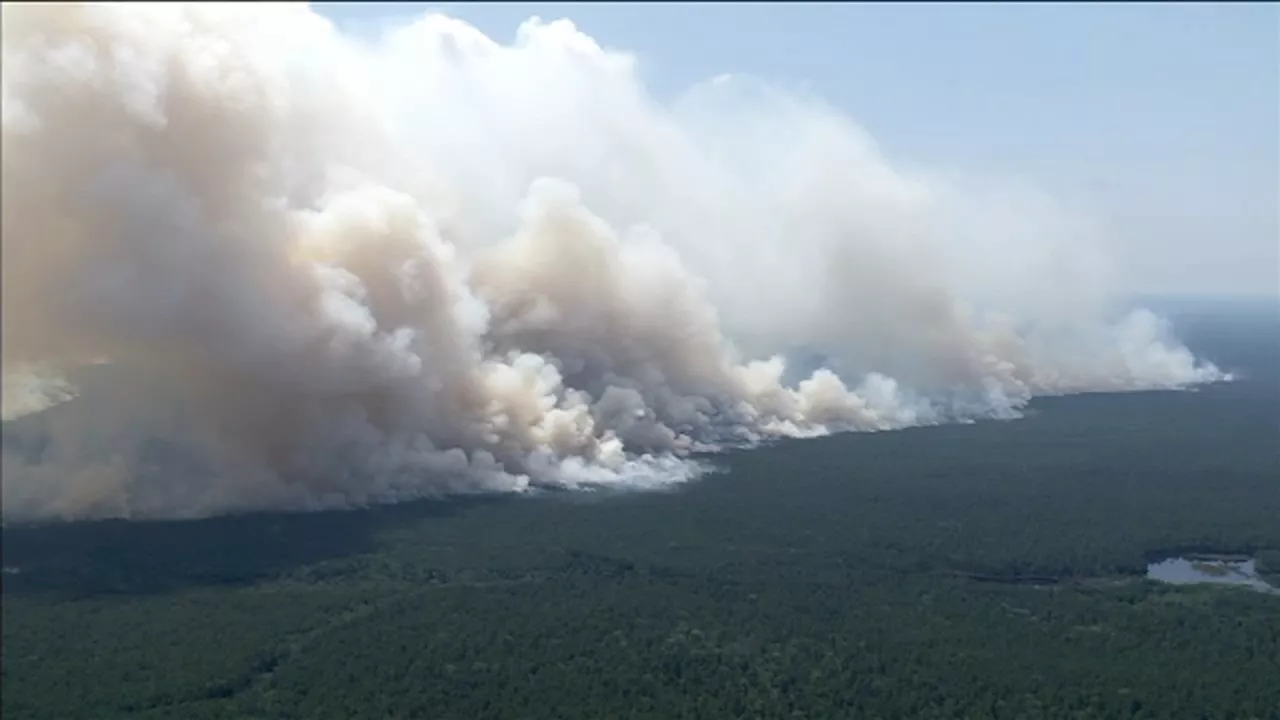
329	273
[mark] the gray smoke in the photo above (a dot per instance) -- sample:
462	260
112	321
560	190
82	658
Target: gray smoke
325	272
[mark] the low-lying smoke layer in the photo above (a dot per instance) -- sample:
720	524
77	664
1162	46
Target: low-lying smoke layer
327	272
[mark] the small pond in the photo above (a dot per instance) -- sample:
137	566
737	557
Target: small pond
1184	571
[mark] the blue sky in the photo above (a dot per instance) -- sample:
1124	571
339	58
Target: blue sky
1162	118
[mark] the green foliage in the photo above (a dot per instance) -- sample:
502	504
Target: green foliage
984	571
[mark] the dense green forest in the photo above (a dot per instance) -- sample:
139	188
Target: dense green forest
980	571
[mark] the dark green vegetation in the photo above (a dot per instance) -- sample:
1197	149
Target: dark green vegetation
983	571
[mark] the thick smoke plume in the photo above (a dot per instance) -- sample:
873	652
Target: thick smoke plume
325	272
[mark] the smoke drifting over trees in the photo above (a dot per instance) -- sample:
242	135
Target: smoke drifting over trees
338	272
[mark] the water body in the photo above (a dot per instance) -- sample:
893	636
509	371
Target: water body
1186	571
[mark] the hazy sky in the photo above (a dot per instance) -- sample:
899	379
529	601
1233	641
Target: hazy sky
1163	119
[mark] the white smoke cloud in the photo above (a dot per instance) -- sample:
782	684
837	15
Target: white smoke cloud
324	272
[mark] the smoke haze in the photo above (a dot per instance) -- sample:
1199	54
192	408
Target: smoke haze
335	272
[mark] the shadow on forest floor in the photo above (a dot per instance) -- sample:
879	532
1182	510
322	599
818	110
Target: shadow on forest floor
85	559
